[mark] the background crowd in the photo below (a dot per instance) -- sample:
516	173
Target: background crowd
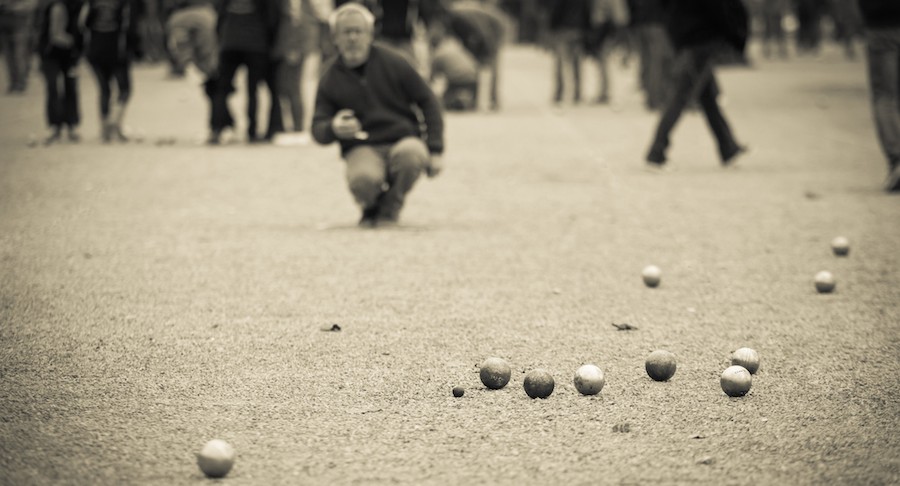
272	39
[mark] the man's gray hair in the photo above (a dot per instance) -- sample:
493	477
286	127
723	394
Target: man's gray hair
351	7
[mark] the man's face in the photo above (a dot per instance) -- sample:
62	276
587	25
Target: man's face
353	38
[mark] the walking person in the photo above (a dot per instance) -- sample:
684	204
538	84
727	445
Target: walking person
607	19
297	38
60	48
882	21
365	101
112	42
702	32
247	31
568	25
191	37
16	20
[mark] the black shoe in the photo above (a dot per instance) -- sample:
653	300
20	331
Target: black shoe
369	217
656	157
730	158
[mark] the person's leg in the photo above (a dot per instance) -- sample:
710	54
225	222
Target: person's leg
103	75
883	55
257	64
366	176
406	161
709	90
52	72
72	115
574	49
493	65
559	58
602	67
686	77
122	75
276	117
221	117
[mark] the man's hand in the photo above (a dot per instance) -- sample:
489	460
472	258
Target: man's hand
346	126
435	165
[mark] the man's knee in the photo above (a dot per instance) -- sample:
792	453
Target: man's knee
365	186
409	156
365	175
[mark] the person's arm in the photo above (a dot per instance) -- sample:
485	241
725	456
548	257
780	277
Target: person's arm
323	115
59	18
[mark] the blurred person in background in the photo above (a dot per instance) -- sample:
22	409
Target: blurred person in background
608	18
297	38
568	23
112	42
882	21
656	53
16	21
848	26
60	47
365	102
703	32
453	64
247	30
809	25
191	33
481	28
396	22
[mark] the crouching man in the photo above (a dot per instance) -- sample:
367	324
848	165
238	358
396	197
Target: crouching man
370	99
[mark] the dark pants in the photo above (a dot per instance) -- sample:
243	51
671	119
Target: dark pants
229	61
105	73
884	82
694	77
276	119
62	91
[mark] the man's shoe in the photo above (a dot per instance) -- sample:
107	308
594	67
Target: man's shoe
730	159
892	184
369	217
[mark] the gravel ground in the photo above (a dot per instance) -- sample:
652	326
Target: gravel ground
160	294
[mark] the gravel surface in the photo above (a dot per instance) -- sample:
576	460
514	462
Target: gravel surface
159	294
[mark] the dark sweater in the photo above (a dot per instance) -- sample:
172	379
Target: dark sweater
695	22
382	98
880	13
